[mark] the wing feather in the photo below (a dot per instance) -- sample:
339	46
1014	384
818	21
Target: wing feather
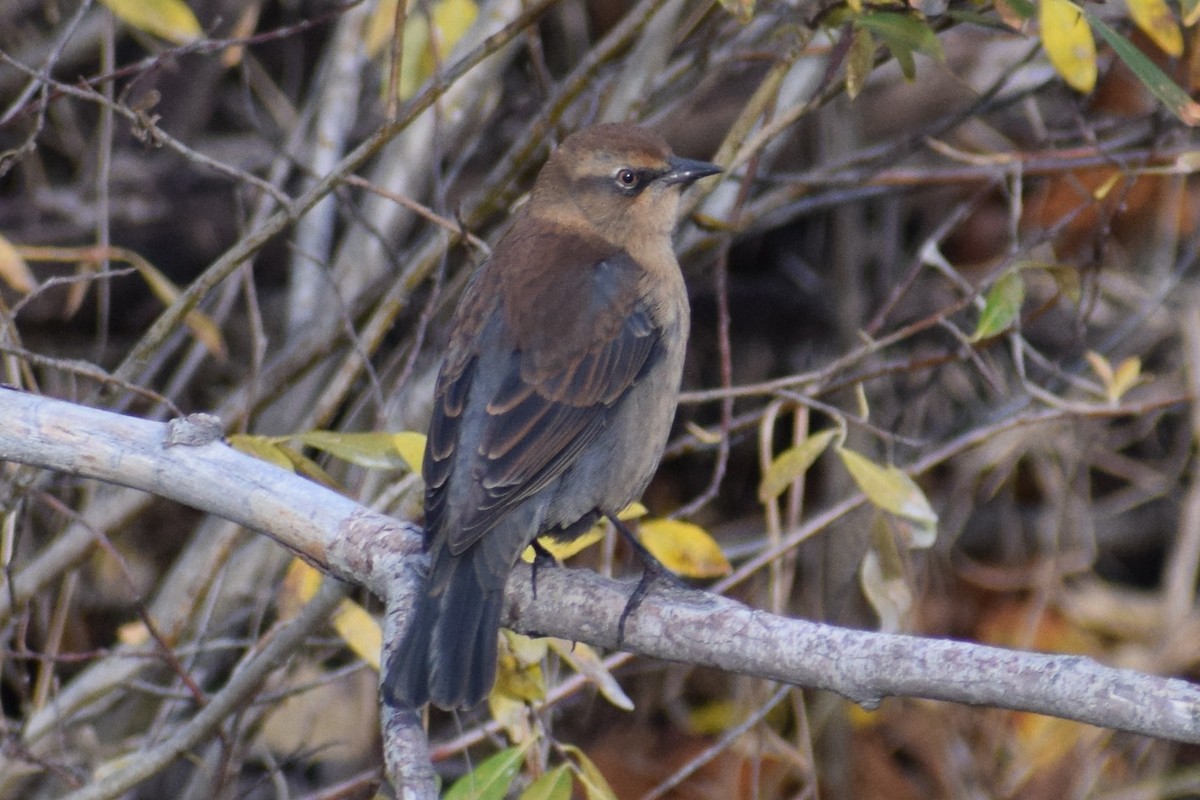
529	403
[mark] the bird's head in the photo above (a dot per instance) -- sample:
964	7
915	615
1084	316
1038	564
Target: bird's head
620	180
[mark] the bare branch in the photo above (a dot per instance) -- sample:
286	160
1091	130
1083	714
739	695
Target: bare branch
671	624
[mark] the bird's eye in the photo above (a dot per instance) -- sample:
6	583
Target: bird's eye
627	179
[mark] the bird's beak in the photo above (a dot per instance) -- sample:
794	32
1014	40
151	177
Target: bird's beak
686	170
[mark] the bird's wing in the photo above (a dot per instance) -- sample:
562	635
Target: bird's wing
530	404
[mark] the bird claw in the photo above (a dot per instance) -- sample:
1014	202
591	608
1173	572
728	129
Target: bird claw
631	605
652	570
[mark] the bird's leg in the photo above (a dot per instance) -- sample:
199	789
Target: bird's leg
541	556
652	569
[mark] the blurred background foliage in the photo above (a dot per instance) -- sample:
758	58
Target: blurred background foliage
942	375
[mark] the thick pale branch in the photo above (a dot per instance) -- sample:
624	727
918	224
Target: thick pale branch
710	630
318	524
671	624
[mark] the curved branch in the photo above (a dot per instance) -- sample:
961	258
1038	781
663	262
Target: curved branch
671	623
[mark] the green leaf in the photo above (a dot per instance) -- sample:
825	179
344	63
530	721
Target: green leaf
1001	306
890	489
170	19
903	35
1023	8
370	450
491	779
978	18
792	463
1157	81
554	785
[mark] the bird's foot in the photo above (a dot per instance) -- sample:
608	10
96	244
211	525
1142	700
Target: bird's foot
652	570
541	558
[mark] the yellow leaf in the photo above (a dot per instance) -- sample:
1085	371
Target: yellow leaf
416	42
450	20
592	780
634	510
13	269
525	649
300	584
861	718
519	667
264	448
1189	162
1103	189
305	466
243	28
684	548
587	662
205	330
860	400
1069	43
704	435
512	714
380	27
792	463
891	489
115	766
161	287
741	10
1155	19
1191	12
1101	367
360	631
1127	375
714	717
860	61
1161	85
1041	743
1066	279
354	625
133	633
411	447
564	550
169	19
889	595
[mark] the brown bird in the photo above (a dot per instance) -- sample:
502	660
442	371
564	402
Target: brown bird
556	396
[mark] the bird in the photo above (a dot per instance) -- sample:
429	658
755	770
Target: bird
555	396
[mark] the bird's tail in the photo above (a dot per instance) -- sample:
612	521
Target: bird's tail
448	653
